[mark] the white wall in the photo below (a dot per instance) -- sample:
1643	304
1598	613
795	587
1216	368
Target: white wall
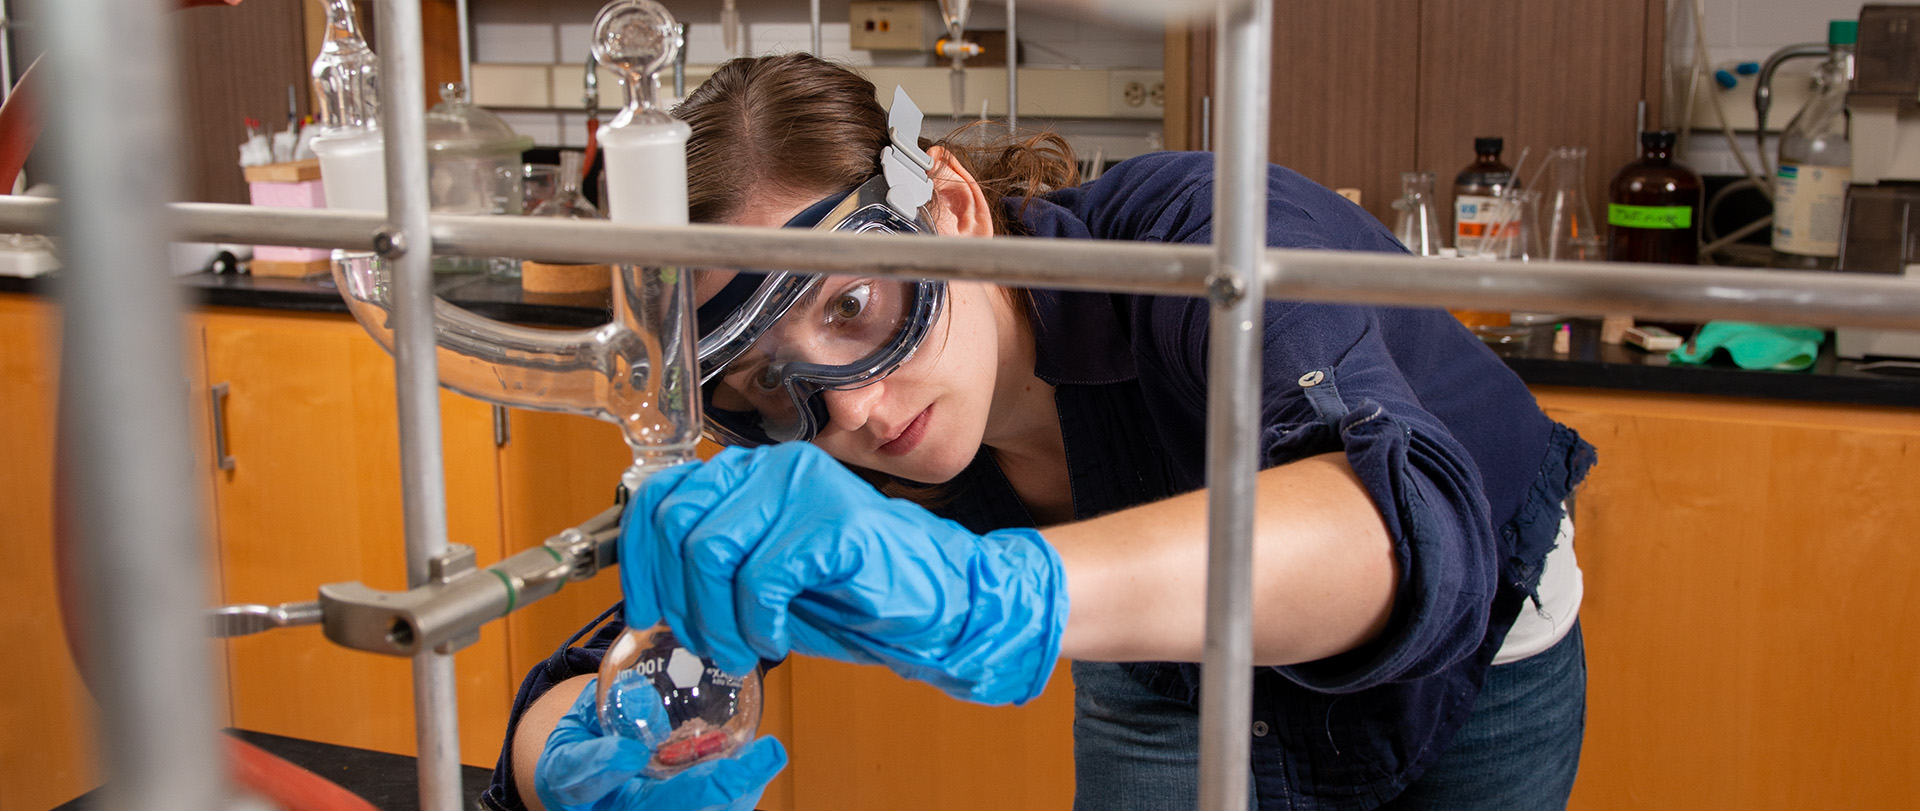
1745	31
558	32
1752	29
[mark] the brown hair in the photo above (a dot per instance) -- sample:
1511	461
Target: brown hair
798	124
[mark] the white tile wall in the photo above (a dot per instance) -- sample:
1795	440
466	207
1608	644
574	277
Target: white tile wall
517	42
1058	34
1743	31
559	31
1752	29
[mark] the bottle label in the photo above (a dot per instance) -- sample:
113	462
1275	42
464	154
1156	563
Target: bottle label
1473	217
1808	204
1665	218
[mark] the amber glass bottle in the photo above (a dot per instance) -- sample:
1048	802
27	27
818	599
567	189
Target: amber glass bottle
1653	207
1475	190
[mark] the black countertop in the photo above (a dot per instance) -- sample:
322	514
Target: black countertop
1588	363
389	782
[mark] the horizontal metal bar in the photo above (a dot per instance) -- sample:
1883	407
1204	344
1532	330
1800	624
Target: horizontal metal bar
1823	299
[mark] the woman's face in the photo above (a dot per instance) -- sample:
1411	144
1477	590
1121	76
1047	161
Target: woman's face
926	420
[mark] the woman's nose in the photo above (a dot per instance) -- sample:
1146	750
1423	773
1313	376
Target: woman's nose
847	410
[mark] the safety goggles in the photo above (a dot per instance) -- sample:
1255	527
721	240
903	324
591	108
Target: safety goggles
772	343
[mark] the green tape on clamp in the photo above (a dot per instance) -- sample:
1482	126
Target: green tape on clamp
513	594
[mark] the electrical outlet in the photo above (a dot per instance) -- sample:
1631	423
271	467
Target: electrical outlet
1136	93
907	25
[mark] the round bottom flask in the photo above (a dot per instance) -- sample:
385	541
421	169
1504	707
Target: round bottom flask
685	707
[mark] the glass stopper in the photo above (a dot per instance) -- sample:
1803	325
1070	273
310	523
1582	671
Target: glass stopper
636	39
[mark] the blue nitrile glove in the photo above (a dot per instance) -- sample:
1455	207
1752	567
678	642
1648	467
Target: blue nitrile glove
582	768
780	548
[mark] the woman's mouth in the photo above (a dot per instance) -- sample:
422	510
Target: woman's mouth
909	437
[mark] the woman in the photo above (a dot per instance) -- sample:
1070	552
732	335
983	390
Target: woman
1410	496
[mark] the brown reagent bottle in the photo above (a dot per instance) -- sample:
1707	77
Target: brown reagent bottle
1653	207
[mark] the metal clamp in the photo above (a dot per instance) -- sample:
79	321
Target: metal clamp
444	614
242	620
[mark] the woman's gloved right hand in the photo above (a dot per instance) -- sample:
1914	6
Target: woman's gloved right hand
758	553
585	769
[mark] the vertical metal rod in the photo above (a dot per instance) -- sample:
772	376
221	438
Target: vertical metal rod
465	23
1233	400
813	7
123	409
422	474
6	48
1013	70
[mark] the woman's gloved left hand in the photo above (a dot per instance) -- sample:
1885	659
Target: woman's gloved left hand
585	769
780	548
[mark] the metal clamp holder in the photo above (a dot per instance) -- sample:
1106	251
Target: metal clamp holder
444	614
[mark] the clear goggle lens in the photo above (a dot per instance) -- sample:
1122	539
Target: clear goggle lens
843	332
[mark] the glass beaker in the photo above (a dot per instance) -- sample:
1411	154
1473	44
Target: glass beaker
1569	231
1418	226
1513	228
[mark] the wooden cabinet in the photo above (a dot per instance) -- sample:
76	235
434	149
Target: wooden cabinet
313	496
1746	567
46	732
1748	615
865	739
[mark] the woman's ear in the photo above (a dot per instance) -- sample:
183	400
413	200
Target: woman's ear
959	206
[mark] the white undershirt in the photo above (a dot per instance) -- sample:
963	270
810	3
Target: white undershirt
1561	587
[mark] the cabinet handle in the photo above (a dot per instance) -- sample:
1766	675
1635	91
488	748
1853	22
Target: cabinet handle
500	431
219	408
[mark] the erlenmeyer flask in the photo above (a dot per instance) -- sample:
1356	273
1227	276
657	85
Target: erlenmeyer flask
1567	221
537	276
1418	225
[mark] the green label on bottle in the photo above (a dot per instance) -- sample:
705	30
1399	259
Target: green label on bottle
1660	217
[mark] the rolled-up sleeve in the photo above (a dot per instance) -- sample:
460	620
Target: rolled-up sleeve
1330	385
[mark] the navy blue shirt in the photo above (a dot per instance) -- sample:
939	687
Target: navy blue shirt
1468	473
1466	470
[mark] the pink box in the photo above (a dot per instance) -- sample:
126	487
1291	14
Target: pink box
287	185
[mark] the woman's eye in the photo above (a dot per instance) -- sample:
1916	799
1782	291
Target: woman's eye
853	302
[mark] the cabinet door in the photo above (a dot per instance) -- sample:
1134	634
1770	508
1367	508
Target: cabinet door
313	496
46	724
864	738
1748	614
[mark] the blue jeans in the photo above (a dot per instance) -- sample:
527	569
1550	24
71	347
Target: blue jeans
1135	750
